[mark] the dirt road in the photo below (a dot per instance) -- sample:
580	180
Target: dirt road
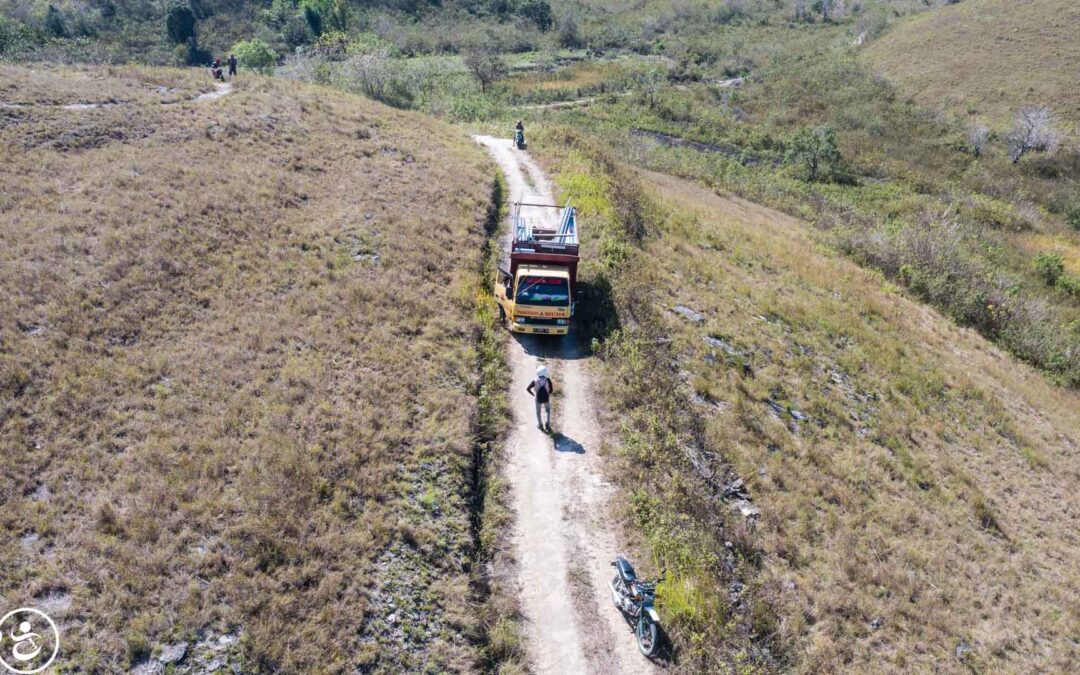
563	540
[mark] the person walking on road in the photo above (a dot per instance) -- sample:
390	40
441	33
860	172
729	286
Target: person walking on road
541	389
232	66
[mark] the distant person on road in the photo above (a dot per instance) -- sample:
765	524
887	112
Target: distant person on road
519	135
541	389
232	66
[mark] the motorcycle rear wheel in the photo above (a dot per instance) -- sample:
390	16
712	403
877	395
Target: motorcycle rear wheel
647	635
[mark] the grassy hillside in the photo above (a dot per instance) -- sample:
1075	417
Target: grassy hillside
915	484
986	58
238	373
906	194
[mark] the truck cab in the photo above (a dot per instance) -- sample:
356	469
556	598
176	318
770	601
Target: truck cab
536	290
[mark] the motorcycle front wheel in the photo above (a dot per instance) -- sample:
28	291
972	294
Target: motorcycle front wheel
647	635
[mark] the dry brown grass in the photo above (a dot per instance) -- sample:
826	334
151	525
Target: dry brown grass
576	76
49	84
220	413
927	499
987	58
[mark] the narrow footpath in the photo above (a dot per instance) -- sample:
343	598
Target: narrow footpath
562	538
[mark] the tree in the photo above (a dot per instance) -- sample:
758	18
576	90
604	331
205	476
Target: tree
817	151
255	54
537	11
485	66
323	15
54	22
569	37
1032	130
180	24
978	135
313	19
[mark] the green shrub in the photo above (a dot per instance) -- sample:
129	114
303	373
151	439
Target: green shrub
816	151
255	54
180	24
1070	285
1050	267
1072	216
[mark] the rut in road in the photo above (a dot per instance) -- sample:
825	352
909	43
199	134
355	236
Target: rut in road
562	540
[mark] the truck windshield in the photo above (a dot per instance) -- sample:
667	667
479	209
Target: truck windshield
549	291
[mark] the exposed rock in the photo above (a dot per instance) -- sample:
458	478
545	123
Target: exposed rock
719	343
736	488
227	640
962	649
877	622
150	667
748	510
775	409
688	314
735	591
173	653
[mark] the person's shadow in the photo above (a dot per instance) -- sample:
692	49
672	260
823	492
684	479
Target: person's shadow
564	443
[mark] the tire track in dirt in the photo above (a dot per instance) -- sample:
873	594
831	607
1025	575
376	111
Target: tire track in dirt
562	539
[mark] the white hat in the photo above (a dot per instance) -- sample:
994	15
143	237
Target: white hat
541	371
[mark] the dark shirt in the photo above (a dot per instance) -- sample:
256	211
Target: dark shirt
542	394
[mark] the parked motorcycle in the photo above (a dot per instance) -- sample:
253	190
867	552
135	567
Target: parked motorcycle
519	139
635	598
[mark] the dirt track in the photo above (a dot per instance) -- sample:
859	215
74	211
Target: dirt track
563	540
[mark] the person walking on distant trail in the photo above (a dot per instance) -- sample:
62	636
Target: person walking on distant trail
519	135
232	66
541	389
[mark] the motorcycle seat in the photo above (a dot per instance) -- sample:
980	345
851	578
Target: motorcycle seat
626	571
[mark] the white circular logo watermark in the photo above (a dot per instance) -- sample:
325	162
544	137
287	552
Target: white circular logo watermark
29	641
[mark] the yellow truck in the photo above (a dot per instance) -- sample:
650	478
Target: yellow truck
537	278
